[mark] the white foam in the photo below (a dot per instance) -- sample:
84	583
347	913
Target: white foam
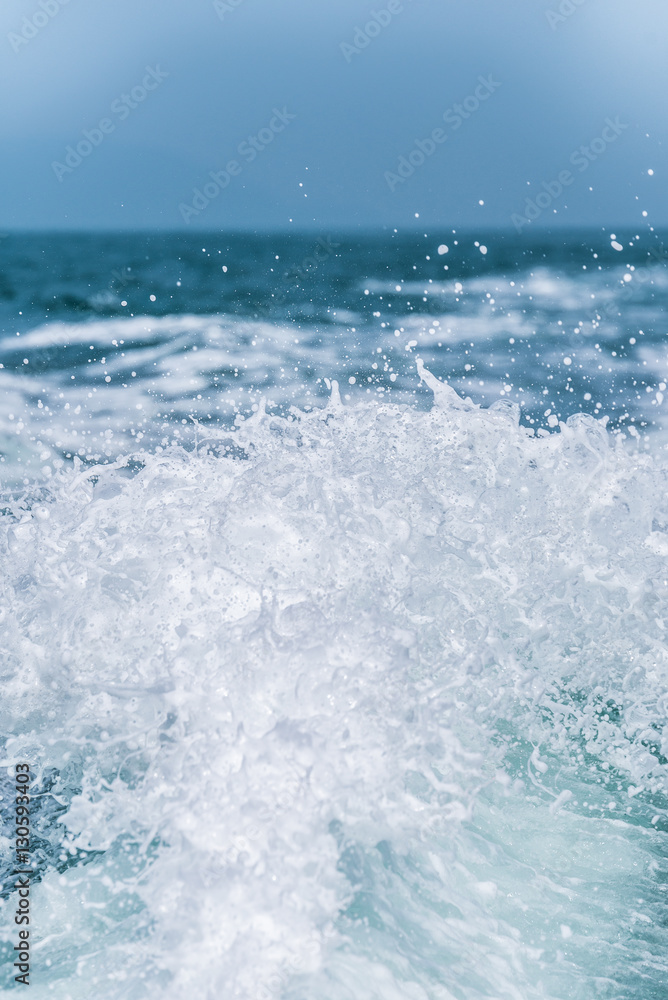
297	701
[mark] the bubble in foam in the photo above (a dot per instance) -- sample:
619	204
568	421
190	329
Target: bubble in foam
345	709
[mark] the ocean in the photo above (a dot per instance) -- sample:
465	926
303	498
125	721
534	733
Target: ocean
334	614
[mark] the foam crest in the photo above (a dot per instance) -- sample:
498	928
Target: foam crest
366	701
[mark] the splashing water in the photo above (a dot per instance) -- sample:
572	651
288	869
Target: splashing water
112	343
356	703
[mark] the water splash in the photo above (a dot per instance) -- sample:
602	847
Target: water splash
371	704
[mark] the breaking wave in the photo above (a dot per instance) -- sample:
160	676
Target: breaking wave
366	701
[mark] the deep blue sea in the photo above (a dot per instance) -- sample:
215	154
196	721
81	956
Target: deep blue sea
334	613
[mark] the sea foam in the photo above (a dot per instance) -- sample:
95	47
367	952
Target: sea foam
362	702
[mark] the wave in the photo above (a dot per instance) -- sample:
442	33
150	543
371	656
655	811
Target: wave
363	701
96	389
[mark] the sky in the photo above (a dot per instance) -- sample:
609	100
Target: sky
115	114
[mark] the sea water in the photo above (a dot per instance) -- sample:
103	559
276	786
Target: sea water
333	615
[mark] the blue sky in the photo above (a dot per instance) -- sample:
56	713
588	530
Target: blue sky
351	104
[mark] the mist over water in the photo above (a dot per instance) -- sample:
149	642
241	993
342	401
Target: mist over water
333	603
